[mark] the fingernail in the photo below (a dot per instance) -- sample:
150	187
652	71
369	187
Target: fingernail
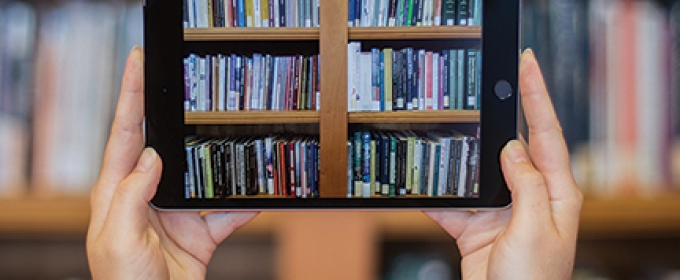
137	47
146	160
515	151
527	54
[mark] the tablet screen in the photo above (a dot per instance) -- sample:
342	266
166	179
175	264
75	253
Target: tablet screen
284	103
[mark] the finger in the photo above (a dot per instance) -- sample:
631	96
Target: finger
198	235
129	210
126	140
530	200
454	222
546	143
222	224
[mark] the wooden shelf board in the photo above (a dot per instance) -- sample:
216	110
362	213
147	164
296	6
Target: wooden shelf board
68	217
415	32
251	117
631	217
252	34
57	217
437	116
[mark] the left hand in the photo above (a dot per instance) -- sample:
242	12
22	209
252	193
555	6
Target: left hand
128	239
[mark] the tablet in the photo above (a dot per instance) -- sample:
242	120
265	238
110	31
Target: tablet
308	104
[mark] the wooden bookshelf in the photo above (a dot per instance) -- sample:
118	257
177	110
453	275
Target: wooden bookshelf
251	117
252	34
30	217
439	116
415	33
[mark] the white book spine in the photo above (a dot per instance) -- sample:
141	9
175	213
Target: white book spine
462	175
257	11
444	164
435	81
430	169
222	85
421	80
202	88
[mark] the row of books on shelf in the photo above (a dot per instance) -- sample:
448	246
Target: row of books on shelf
281	166
411	79
407	163
251	13
379	13
258	82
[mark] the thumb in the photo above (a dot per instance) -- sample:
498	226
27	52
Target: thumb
129	207
531	203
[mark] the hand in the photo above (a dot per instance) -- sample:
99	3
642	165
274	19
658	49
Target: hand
127	239
536	238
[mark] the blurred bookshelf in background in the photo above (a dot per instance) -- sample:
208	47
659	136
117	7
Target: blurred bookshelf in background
612	69
60	69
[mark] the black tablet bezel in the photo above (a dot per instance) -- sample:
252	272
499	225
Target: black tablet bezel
164	124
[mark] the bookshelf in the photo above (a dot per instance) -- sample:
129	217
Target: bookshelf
67	217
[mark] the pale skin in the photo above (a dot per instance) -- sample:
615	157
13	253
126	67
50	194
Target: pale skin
535	239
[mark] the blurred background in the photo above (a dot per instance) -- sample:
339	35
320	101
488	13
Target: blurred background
612	68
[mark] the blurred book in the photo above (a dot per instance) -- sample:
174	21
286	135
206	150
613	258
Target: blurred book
79	62
612	73
17	41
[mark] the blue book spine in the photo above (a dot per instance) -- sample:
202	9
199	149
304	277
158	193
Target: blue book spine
241	13
358	179
357	12
366	170
375	72
350	13
282	13
381	81
435	177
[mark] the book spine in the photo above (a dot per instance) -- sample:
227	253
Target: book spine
377	175
435	81
381	82
350	13
409	163
409	14
375	85
366	162
428	80
462	174
417	165
437	12
385	162
391	12
388	79
393	166
471	73
422	78
358	179
372	187
462	13
409	78
190	179
445	81
350	168
443	165
431	168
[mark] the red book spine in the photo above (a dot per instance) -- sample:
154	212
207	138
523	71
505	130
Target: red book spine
282	170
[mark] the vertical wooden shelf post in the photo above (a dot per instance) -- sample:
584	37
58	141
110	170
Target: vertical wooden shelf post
333	114
327	245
